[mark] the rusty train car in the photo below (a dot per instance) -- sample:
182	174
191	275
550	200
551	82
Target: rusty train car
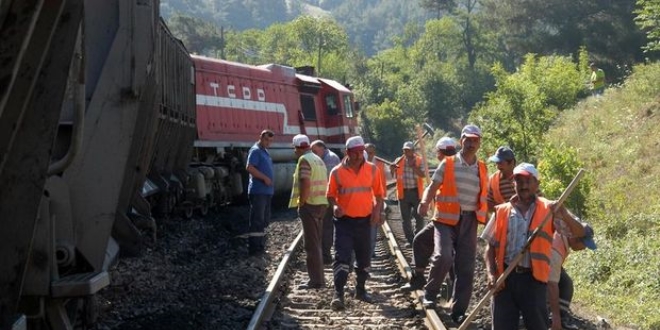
94	96
105	118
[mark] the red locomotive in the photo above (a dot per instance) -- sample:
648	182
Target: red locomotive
237	101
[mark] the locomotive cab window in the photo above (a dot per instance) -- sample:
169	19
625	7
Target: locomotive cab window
308	107
331	104
348	106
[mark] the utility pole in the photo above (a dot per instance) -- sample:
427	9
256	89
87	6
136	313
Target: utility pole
318	62
222	42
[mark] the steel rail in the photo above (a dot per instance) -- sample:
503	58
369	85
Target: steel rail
432	319
266	306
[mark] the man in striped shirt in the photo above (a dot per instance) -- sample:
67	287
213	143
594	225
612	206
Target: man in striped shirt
459	208
500	184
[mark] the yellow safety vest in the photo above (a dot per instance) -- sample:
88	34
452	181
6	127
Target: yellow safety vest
319	181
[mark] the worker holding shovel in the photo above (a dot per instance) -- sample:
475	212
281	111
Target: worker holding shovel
524	291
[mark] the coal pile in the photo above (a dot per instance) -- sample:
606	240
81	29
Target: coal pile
195	276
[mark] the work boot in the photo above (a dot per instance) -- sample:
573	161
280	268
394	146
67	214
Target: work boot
429	299
337	303
567	323
361	294
458	318
417	282
310	285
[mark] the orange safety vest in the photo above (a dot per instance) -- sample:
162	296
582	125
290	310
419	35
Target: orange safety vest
447	207
494	183
399	178
541	246
355	192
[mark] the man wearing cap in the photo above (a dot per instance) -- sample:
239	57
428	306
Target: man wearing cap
308	194
560	284
370	149
459	207
500	183
409	172
331	160
260	192
356	194
525	290
423	241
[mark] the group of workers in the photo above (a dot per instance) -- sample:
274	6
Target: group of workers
347	196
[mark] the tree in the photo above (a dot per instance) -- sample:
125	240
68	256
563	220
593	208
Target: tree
549	27
199	36
438	6
648	19
319	37
526	103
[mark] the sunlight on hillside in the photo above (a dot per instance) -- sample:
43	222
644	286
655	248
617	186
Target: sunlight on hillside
618	139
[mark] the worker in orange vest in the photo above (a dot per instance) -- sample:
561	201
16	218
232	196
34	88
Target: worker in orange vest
423	241
500	183
459	207
409	173
525	289
355	193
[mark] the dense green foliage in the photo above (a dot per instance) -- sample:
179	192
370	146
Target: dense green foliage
615	138
648	19
526	103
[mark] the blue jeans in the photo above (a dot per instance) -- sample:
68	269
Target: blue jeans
259	219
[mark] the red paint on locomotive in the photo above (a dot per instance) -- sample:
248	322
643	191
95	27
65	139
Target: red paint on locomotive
237	101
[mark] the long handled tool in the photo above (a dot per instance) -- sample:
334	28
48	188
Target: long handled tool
520	255
420	138
385	161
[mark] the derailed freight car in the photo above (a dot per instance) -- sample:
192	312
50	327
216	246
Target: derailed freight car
91	116
235	102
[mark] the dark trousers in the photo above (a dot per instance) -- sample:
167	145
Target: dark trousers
408	209
455	246
565	292
522	295
423	246
312	221
328	234
259	219
351	234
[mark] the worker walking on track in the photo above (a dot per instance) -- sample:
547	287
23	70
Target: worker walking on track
459	207
331	160
409	172
308	195
356	194
524	291
423	241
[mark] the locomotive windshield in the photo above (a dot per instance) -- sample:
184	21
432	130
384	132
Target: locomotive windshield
348	106
332	104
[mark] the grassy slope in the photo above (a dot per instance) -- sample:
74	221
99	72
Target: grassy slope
618	138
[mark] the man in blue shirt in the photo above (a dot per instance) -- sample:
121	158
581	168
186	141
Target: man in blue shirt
260	192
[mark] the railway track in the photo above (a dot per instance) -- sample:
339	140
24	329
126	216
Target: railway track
284	306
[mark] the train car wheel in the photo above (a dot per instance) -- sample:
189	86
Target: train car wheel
188	211
204	208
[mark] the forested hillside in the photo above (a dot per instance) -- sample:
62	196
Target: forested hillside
370	24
